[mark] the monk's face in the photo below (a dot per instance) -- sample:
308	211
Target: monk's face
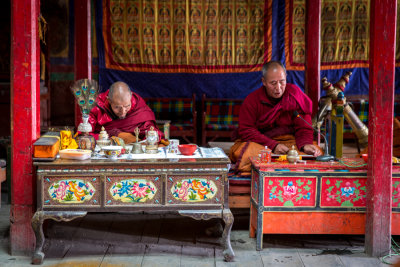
121	104
275	82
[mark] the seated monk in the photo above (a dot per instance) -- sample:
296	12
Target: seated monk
120	111
267	118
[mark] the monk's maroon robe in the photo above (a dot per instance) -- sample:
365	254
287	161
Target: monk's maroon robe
140	115
262	118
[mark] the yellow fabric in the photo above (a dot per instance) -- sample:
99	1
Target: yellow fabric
240	154
67	142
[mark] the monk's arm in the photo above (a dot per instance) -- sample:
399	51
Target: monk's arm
93	122
95	116
248	126
303	133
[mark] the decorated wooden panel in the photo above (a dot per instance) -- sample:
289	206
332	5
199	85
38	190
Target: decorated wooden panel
344	34
254	186
71	190
195	189
343	191
133	189
180	36
290	191
396	193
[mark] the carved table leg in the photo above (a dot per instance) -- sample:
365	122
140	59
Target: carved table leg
226	215
226	235
37	223
259	231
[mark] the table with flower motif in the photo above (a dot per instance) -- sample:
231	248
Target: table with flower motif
312	198
193	187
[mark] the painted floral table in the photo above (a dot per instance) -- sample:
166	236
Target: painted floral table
312	198
193	187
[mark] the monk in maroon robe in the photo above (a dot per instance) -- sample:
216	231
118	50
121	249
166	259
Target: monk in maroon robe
120	111
267	119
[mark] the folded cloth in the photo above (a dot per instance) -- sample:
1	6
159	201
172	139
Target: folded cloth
67	142
127	137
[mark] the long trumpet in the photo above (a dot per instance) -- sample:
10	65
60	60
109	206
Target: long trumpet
350	116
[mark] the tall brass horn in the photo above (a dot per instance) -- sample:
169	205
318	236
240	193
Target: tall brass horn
350	116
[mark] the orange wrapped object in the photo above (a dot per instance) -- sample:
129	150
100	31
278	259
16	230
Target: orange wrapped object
47	146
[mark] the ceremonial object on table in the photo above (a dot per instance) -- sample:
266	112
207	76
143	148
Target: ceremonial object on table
85	92
137	147
47	146
79	154
166	130
152	141
117	141
293	155
103	138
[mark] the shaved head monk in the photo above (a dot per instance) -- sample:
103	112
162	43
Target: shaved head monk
267	119
120	111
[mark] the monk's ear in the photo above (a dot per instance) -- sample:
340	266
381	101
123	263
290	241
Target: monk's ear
263	81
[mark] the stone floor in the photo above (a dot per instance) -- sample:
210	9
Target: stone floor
170	240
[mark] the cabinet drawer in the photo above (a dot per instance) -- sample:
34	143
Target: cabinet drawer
74	190
195	189
128	190
290	191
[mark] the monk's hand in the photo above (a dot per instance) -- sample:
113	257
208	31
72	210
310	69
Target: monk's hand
312	150
281	149
164	142
127	137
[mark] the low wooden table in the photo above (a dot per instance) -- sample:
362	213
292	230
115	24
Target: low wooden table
193	187
312	198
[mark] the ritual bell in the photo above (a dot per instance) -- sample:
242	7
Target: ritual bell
137	147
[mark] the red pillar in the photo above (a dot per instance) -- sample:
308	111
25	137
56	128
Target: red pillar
25	120
83	48
313	55
380	138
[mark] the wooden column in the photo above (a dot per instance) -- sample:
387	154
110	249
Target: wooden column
25	120
313	55
83	48
380	138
